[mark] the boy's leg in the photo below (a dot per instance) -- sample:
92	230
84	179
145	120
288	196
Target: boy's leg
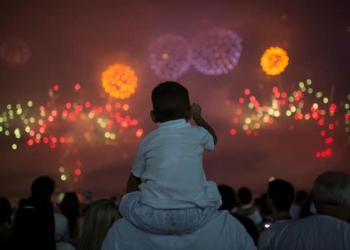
161	221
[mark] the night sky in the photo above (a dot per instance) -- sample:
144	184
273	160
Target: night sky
74	43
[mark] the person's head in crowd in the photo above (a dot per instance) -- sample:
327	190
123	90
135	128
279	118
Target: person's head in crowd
263	207
331	193
280	196
257	202
43	188
5	211
70	207
170	102
21	203
305	209
99	218
228	196
34	227
244	196
301	197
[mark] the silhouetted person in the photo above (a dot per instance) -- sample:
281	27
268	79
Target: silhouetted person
99	219
265	211
230	204
43	188
280	196
33	227
247	209
70	207
308	208
326	230
300	200
5	223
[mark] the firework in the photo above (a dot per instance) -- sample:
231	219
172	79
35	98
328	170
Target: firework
170	56
303	104
119	81
274	61
15	52
216	51
71	125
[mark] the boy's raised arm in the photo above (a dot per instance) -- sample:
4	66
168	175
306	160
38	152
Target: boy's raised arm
198	119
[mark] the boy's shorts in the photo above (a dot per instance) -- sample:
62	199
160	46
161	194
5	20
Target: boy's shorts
163	221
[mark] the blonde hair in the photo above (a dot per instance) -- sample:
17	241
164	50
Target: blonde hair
100	216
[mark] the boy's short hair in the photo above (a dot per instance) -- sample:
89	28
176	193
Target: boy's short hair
245	195
282	194
170	101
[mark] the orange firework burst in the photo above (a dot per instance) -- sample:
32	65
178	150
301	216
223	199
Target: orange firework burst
119	81
274	61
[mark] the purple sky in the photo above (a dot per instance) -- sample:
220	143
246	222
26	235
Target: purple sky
72	43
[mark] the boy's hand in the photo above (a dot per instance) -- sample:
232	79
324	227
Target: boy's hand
196	110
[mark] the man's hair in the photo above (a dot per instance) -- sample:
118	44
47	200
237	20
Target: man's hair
170	101
228	196
245	195
332	188
43	187
282	194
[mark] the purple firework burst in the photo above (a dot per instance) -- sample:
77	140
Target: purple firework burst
170	56
216	51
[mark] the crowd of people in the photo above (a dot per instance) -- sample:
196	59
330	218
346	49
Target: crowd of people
169	203
279	219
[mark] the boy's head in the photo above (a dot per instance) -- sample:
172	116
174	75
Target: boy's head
170	102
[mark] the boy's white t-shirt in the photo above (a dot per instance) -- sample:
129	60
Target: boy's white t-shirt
169	163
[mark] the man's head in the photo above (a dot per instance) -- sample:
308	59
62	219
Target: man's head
332	192
280	195
244	196
228	197
43	188
170	102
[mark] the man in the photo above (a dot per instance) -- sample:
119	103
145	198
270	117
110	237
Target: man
222	232
229	203
247	209
280	196
328	229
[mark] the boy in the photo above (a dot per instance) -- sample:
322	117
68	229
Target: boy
174	196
